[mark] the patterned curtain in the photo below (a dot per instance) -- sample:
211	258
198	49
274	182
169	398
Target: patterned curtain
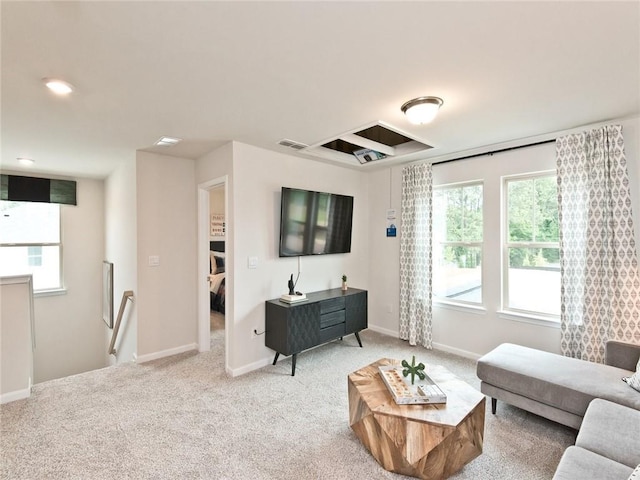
598	261
415	255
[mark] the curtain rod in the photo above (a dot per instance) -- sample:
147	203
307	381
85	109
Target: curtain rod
494	151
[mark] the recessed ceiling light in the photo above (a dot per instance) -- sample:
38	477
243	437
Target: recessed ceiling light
422	109
26	162
58	86
168	141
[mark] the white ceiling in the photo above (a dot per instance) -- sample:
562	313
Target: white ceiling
258	72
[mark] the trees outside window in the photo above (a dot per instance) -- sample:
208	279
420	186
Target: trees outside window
457	245
531	271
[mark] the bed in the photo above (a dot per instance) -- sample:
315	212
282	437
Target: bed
217	275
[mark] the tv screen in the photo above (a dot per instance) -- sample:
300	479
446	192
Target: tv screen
314	223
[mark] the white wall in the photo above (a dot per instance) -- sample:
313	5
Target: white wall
120	249
255	178
69	327
384	291
213	167
472	334
166	227
259	176
16	337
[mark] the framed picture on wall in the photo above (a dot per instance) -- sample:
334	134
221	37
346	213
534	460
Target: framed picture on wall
107	293
217	225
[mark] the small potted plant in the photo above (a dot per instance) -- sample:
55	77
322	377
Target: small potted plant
413	370
344	282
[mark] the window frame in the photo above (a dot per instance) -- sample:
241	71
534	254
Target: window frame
467	304
60	287
507	244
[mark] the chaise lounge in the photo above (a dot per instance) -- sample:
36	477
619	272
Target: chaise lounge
556	387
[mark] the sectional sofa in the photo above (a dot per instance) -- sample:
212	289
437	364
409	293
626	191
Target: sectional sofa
587	396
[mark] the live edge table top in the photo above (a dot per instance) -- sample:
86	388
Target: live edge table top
427	441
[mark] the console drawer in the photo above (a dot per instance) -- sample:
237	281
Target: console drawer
333	332
331	305
333	318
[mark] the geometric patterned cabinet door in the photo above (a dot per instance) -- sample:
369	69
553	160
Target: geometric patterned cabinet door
323	317
425	441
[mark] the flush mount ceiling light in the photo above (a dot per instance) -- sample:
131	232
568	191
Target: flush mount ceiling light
167	141
422	109
26	162
58	86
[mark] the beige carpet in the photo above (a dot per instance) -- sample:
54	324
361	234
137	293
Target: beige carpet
183	418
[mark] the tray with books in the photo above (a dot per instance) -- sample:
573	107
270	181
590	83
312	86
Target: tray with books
422	392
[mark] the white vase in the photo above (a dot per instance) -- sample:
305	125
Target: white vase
344	286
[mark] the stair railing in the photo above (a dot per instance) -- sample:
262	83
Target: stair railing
127	295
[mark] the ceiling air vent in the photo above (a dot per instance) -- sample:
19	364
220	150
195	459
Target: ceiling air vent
368	144
291	144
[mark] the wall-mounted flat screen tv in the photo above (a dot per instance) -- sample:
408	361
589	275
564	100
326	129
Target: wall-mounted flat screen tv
314	223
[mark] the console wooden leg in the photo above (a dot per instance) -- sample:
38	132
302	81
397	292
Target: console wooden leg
276	358
293	364
494	403
358	338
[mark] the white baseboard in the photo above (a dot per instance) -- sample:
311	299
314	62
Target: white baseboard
456	351
268	361
384	331
437	346
16	395
234	372
165	353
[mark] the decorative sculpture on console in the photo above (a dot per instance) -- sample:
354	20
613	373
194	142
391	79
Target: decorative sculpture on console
291	286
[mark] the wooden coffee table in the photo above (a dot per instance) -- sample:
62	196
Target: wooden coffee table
425	441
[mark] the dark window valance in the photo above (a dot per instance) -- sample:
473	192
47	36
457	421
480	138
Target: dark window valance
33	189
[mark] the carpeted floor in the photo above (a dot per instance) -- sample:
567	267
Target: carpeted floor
183	418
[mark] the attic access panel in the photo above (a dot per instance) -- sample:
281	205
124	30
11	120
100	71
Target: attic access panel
379	134
367	144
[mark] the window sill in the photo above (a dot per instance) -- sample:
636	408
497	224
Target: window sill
530	318
50	293
461	307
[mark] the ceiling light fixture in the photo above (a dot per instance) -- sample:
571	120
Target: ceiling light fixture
422	109
168	141
25	162
57	86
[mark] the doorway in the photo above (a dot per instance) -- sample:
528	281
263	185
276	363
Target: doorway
213	267
217	264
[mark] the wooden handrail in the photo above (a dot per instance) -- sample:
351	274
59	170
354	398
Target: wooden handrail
127	295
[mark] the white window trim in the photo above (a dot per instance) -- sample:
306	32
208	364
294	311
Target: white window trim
459	306
532	318
463	305
526	316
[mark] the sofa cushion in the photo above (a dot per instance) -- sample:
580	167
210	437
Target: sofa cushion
612	431
580	464
634	380
565	383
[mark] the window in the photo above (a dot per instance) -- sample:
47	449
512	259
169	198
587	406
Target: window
532	254
30	242
457	243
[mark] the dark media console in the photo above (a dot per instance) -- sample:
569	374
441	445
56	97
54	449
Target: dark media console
324	316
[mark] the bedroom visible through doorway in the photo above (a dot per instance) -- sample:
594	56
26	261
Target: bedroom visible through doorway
217	263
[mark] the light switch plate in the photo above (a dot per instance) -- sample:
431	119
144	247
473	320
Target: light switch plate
154	260
252	262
